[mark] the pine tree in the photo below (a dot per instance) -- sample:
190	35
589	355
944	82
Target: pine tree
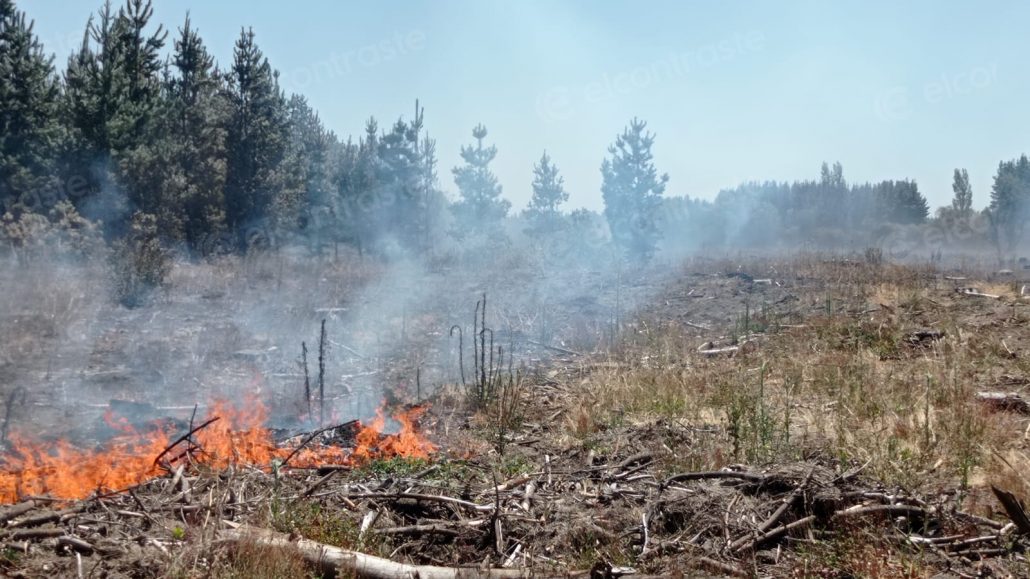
112	105
138	144
257	139
192	196
356	191
305	167
28	106
309	166
548	193
632	190
901	202
481	206
1010	202
399	198
963	200
85	110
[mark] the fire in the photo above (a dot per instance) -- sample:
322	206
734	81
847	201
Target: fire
238	436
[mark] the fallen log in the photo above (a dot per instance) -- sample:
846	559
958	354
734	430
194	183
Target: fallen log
17	511
334	560
28	534
434	529
714	474
1010	401
707	349
968	291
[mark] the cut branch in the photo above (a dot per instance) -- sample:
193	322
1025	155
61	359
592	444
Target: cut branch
334	559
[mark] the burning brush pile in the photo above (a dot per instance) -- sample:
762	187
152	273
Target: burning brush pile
228	436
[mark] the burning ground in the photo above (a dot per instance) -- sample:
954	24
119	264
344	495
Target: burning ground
801	416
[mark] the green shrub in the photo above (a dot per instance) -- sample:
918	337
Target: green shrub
139	262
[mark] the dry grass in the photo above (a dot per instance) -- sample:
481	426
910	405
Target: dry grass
848	385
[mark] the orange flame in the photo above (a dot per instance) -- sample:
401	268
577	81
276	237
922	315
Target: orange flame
62	470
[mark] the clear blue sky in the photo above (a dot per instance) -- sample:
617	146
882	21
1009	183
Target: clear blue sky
734	90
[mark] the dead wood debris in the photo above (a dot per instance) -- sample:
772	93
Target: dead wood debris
537	522
1005	401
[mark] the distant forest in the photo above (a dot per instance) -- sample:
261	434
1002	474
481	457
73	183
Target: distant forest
125	145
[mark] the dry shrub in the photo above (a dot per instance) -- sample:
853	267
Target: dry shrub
252	561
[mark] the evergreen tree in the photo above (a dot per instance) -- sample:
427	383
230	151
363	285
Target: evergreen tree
901	202
481	206
307	192
1010	202
28	105
112	107
963	200
548	193
86	114
359	188
137	142
398	197
194	128
257	138
632	190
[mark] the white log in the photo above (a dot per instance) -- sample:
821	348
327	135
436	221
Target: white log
334	559
1005	401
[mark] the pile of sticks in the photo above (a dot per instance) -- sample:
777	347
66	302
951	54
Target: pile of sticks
732	522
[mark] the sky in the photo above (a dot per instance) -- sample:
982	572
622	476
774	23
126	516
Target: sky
735	91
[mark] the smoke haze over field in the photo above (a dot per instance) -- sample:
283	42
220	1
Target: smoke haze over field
200	222
758	91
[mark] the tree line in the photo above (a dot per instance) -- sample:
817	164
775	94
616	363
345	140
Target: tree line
125	143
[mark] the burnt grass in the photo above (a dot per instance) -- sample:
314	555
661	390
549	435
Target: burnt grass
800	415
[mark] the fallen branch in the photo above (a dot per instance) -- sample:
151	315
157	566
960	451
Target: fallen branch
183	438
27	534
75	544
420	497
775	533
892	510
555	348
334	559
17	511
715	474
1013	508
311	437
968	291
1010	401
720	567
706	349
769	523
436	529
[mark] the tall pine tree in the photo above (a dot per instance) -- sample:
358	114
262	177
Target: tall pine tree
112	107
632	191
258	133
194	128
138	144
309	168
28	105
